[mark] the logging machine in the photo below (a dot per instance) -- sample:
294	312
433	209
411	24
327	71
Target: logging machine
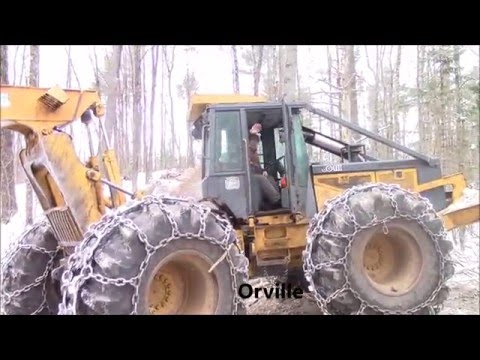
365	236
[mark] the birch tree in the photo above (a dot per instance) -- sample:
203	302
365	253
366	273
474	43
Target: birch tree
112	77
290	74
349	88
235	70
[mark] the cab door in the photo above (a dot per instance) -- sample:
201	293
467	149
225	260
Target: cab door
227	179
296	156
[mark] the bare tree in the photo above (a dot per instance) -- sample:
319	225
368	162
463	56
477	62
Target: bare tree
169	59
150	163
68	83
281	71
350	88
8	196
33	81
271	71
257	52
235	71
163	116
420	97
137	112
333	127
188	87
397	131
290	79
144	140
112	91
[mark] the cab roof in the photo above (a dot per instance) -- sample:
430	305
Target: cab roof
199	102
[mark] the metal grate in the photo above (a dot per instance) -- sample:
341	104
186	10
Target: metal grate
51	102
64	227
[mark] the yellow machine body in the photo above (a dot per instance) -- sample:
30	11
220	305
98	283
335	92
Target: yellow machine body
278	240
69	191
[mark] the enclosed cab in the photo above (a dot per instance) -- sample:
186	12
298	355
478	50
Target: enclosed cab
223	122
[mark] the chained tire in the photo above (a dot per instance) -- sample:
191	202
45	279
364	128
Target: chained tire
378	249
28	287
153	258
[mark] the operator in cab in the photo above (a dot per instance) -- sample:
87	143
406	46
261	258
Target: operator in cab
269	190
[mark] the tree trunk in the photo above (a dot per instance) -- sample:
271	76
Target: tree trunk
235	72
257	68
68	82
420	102
281	72
113	91
169	62
188	88
33	81
8	196
350	88
137	113
150	163
330	101
128	89
373	97
144	145
460	120
397	134
386	151
69	67
271	72
163	119
290	79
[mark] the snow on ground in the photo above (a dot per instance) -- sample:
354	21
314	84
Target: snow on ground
11	231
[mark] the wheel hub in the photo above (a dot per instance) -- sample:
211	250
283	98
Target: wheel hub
392	262
181	284
373	258
161	291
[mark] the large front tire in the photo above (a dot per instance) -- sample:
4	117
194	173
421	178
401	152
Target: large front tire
378	249
154	258
27	284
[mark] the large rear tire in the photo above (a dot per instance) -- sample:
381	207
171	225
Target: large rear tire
27	284
378	249
154	258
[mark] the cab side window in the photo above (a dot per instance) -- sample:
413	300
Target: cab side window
228	154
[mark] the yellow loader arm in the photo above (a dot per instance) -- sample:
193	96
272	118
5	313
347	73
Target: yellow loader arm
463	211
465	206
69	191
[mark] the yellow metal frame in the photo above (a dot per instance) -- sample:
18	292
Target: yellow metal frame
280	237
407	178
51	164
199	102
24	112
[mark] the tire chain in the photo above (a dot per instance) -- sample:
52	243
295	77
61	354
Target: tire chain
316	229
14	248
80	260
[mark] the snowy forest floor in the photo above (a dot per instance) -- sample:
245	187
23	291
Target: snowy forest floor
464	285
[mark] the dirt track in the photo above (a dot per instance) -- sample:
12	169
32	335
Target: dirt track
463	300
